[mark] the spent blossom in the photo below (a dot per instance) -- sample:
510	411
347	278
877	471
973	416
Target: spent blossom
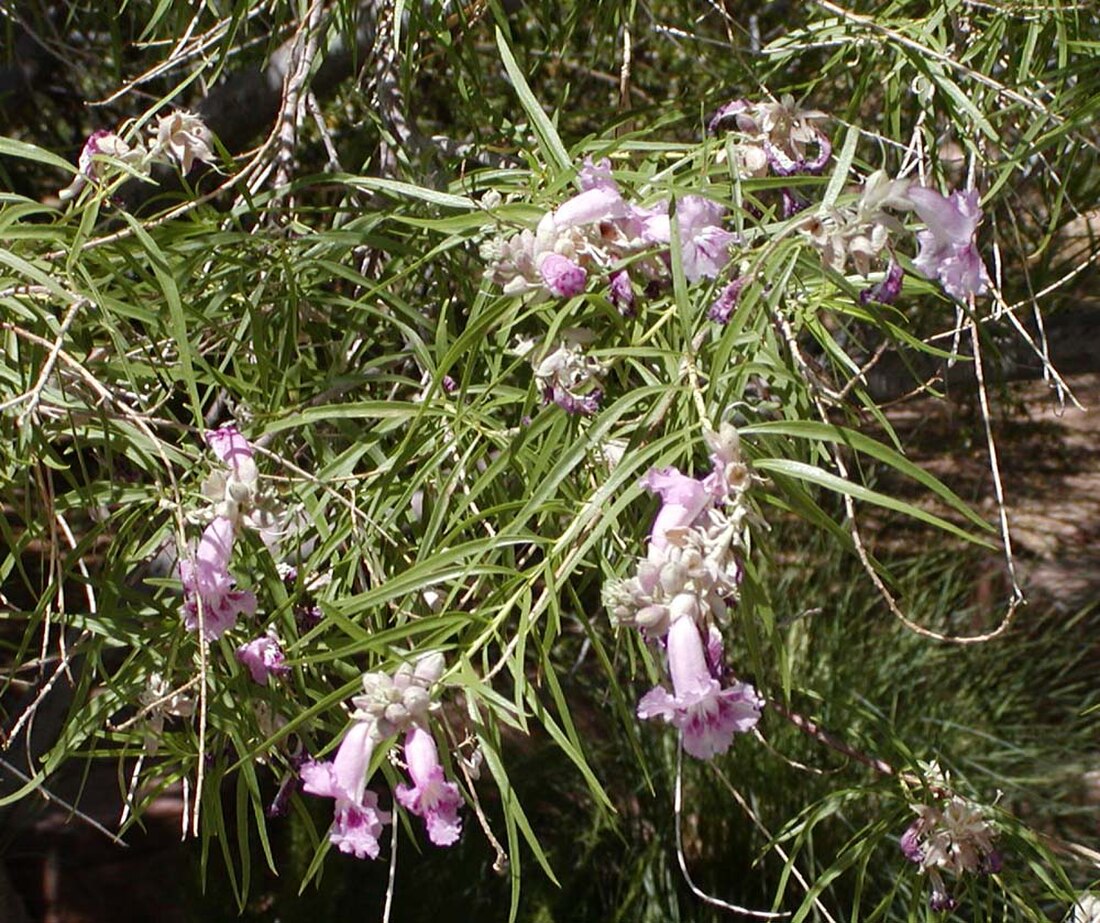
861	232
951	836
158	702
92	167
184	137
724	305
780	135
568	375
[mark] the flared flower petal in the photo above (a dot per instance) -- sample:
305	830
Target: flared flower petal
704	245
207	579
356	827
948	249
708	714
431	796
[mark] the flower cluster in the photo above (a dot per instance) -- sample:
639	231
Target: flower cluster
567	376
681	592
951	835
783	139
206	580
598	232
389	705
180	136
863	233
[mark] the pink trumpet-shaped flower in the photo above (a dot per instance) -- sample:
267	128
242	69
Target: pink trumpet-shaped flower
357	823
683	501
431	796
704	245
207	579
949	249
707	714
263	656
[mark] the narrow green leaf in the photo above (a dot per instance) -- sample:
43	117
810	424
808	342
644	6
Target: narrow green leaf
552	149
822	478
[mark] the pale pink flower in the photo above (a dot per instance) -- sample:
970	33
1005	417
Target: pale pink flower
207	579
234	450
431	796
949	249
263	656
600	203
596	175
683	501
357	822
704	245
708	714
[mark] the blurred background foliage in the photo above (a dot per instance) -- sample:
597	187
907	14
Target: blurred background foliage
319	284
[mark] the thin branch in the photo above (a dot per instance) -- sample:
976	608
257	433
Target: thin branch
682	859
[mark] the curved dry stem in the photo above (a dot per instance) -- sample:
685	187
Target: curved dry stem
682	859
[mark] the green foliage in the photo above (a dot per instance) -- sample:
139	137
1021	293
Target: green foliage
325	303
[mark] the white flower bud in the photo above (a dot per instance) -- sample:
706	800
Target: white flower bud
429	668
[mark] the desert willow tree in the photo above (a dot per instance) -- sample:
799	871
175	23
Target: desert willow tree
414	411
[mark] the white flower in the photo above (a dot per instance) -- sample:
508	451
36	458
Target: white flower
394	703
161	702
1087	908
184	137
